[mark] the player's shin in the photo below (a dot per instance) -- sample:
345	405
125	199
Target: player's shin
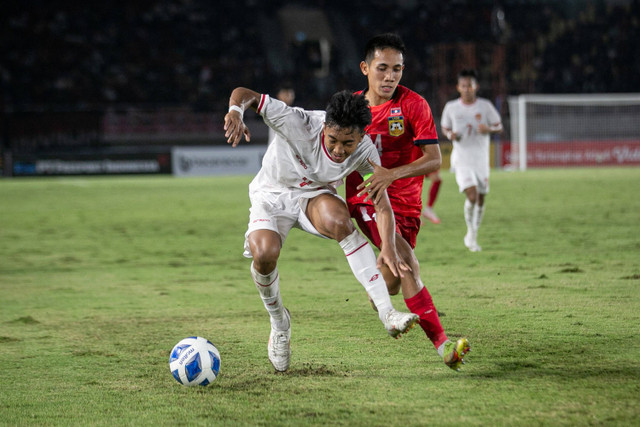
362	261
269	288
477	216
468	214
422	305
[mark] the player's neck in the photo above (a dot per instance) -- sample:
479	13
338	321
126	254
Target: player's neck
468	102
375	100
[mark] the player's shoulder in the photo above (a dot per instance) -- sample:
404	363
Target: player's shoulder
486	104
366	144
452	104
405	95
483	101
411	101
367	150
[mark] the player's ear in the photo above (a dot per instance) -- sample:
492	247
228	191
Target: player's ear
364	67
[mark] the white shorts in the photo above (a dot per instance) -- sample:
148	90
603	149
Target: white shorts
467	177
280	212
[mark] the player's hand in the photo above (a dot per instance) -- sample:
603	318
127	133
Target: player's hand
376	184
391	259
235	128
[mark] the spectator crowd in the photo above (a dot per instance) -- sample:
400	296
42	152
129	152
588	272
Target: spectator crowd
61	55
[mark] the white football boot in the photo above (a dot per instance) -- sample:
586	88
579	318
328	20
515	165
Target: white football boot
397	322
279	348
470	241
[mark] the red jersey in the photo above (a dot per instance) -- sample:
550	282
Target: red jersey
398	128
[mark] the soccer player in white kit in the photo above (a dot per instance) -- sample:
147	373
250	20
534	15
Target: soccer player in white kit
296	187
469	122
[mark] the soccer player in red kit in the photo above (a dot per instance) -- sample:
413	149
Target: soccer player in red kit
404	133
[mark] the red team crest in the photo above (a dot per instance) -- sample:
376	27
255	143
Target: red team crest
396	122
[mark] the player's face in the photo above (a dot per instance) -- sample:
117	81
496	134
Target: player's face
287	96
341	142
467	87
383	74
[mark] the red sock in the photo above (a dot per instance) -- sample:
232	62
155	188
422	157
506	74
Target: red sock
433	192
422	305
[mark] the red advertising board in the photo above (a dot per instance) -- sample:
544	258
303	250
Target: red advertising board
577	153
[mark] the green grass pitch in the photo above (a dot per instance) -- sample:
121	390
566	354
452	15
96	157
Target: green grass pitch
100	277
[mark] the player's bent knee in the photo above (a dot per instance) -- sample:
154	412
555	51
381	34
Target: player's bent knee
265	250
337	228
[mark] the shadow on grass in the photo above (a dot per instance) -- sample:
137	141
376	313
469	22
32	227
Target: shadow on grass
259	382
527	369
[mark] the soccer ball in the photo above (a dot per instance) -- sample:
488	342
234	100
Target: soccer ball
194	361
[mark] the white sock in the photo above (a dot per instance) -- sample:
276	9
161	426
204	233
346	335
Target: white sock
441	348
468	214
269	288
362	261
477	216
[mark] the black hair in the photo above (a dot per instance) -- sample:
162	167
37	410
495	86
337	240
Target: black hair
348	111
383	41
468	73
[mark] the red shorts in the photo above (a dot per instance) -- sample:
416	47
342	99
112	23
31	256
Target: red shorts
365	215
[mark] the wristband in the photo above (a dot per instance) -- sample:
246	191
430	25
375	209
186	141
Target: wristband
236	108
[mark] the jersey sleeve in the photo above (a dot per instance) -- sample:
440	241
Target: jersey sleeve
445	120
422	122
370	152
492	114
292	124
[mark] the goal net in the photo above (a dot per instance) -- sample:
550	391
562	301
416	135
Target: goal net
574	130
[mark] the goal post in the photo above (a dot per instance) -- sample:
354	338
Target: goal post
574	130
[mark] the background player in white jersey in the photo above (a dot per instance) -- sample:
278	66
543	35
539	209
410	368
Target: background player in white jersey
295	187
468	122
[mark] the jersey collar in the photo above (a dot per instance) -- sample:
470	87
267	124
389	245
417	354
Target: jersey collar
393	97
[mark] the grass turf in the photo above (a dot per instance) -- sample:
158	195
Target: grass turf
100	277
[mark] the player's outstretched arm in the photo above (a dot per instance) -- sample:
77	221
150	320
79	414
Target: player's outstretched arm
387	229
382	178
234	126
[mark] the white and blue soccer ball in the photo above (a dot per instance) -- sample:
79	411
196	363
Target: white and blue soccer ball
194	361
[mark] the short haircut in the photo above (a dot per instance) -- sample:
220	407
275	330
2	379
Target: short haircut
383	41
347	110
468	73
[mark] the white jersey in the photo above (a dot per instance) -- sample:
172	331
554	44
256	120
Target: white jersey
297	158
472	150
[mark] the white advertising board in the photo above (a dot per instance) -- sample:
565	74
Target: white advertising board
224	160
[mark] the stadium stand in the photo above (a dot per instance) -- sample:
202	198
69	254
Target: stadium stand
140	76
56	55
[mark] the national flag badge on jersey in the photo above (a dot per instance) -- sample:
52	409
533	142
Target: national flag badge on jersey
395	112
396	125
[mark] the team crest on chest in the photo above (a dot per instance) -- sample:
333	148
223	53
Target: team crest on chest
396	122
